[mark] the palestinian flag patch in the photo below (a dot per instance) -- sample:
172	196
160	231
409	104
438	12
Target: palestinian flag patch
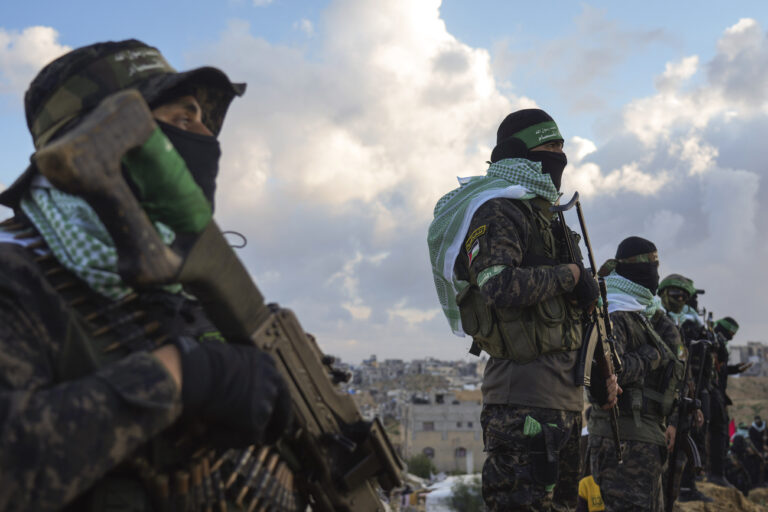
474	251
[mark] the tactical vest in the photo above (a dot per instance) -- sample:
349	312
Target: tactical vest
658	394
178	469
523	334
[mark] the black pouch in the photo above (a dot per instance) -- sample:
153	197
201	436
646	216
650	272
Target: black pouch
545	455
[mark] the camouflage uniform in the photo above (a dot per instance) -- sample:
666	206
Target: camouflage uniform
510	480
59	391
633	485
514	478
89	418
670	334
636	484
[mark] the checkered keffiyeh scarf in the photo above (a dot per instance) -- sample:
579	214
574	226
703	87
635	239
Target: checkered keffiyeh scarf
626	295
79	240
513	178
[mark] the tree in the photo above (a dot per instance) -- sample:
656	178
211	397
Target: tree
467	496
421	465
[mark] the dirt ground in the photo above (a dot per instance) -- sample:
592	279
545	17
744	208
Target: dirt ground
726	500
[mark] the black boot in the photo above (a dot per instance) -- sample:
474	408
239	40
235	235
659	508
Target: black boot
693	495
720	480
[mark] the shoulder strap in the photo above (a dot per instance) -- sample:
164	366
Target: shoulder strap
536	254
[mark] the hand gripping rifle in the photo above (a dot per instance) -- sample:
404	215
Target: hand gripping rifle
598	332
340	458
686	406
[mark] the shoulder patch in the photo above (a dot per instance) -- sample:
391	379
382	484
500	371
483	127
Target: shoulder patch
477	233
473	252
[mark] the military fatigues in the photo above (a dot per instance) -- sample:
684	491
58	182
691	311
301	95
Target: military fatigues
505	240
85	409
669	333
636	484
719	402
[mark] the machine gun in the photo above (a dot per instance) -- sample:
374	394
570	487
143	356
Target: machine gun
598	348
337	458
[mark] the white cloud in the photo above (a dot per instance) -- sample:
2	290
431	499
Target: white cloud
261	3
304	25
578	148
677	73
663	227
411	316
590	180
22	54
349	282
704	181
339	157
364	137
334	159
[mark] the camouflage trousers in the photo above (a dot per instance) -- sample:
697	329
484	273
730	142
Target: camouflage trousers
526	470
634	485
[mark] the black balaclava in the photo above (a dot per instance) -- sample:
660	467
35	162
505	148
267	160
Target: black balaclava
551	163
200	152
643	273
524	130
727	326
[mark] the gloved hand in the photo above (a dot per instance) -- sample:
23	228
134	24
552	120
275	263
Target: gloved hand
586	291
235	386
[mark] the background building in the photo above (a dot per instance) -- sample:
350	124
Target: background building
446	429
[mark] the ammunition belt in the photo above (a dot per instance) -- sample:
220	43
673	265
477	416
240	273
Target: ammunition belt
251	479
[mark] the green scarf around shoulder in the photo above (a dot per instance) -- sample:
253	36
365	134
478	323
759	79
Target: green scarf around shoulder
513	178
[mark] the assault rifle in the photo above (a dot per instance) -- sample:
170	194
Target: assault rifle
598	347
337	457
698	352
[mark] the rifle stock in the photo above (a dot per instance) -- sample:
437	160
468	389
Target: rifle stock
598	343
338	457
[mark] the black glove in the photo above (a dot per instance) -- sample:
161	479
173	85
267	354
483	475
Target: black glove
586	291
236	386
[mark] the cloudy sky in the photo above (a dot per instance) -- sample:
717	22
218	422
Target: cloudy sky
360	114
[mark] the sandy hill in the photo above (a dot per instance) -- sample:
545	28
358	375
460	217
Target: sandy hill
749	396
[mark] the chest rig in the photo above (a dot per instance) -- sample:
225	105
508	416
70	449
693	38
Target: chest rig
179	470
524	334
657	394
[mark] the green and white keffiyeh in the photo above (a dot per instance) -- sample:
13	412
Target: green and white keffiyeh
513	178
79	240
687	313
626	295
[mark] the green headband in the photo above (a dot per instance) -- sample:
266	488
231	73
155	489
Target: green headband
539	134
610	265
684	285
728	326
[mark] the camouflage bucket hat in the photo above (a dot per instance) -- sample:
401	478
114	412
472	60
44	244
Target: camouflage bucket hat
678	281
71	86
75	83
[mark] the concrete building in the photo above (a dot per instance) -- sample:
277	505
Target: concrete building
754	352
447	429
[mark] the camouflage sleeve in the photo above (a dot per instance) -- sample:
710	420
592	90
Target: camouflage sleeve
637	357
58	438
670	334
496	242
